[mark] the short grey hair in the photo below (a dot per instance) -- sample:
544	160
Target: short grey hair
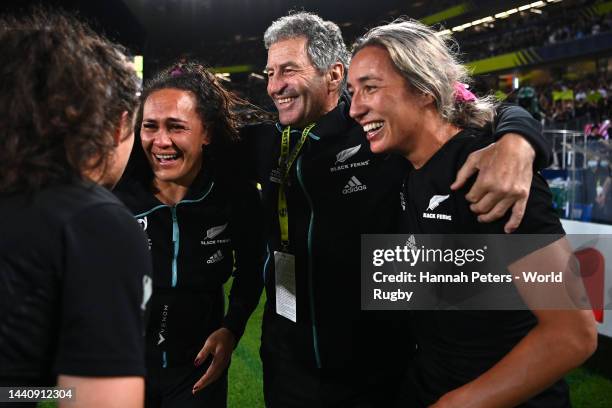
324	44
427	59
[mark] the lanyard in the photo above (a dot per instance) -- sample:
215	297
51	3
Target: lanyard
285	162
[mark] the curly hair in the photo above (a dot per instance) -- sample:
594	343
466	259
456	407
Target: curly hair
220	110
62	94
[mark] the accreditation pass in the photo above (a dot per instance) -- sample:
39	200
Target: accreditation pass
284	267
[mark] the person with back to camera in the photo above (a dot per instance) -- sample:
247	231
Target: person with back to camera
201	219
74	266
465	358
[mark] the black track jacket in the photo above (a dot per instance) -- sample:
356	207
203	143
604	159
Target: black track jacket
195	245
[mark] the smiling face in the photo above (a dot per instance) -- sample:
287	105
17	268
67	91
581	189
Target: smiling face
299	91
172	135
383	103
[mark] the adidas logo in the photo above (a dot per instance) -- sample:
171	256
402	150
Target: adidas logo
353	186
216	257
411	243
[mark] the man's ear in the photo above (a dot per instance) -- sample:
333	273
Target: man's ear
336	75
122	127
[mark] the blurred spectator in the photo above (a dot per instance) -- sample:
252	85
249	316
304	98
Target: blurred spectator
556	24
528	99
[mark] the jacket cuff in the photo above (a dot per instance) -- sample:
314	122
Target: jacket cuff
235	323
514	119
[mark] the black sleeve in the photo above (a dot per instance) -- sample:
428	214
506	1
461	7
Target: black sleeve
107	271
250	250
514	119
540	216
248	150
540	225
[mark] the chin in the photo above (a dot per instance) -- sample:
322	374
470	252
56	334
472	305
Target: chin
286	121
164	176
289	119
378	148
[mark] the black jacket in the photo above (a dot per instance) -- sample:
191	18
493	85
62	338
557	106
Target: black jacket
338	189
195	245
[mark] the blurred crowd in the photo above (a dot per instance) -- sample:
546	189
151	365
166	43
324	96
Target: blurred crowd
584	105
554	24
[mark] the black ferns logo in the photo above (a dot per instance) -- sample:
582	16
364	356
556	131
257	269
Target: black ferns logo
213	232
346	154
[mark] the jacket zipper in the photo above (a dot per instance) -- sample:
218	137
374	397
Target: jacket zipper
175	244
315	337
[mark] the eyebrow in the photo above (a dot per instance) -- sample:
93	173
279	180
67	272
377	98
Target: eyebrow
176	120
285	65
170	119
368	78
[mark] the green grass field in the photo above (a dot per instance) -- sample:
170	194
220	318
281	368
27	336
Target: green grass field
588	390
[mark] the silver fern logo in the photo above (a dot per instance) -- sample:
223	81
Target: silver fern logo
215	231
347	154
435	201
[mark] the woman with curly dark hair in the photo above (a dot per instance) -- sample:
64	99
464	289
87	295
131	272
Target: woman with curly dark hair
203	222
74	266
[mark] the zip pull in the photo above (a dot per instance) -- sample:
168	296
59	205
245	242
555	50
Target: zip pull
175	230
175	244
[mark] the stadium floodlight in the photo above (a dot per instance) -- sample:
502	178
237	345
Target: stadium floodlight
503	14
224	76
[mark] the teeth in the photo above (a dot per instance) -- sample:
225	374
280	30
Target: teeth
285	100
372	126
166	156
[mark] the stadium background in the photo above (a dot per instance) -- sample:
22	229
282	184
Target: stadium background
553	57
